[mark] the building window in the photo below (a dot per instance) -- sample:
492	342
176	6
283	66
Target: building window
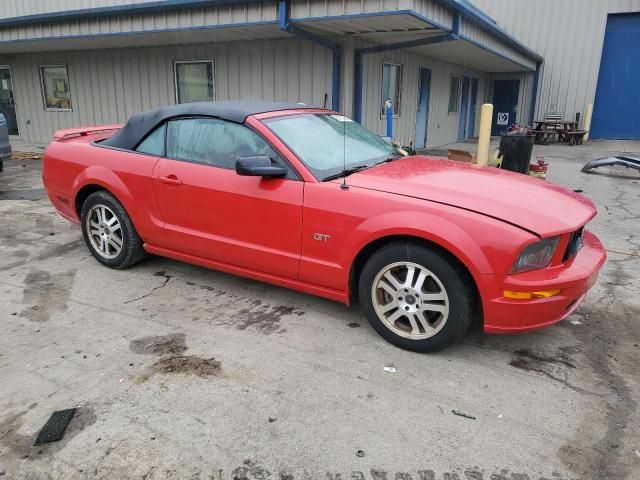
454	95
391	84
55	87
194	81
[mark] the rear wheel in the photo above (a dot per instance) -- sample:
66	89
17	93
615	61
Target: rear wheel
109	232
417	298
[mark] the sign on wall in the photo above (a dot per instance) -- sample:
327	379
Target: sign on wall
503	118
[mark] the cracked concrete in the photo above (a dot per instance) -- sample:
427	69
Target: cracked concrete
183	372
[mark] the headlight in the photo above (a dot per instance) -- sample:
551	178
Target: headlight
536	255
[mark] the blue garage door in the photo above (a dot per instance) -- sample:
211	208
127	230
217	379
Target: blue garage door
616	111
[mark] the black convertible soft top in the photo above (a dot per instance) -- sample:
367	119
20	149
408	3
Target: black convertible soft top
140	124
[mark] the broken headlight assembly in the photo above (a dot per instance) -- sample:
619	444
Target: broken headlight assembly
535	256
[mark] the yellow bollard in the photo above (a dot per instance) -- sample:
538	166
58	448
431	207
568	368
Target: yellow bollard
587	121
484	131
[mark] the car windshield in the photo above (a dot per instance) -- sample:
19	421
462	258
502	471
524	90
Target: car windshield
330	144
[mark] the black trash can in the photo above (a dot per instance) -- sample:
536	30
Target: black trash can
516	152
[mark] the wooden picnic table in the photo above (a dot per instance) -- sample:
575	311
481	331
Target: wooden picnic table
546	129
565	124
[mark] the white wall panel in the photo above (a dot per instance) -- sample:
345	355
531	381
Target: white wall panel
19	8
107	86
177	19
484	38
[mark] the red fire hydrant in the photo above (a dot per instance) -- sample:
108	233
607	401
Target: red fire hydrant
539	169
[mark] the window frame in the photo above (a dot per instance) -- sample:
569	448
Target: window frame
281	159
163	124
44	94
175	76
400	80
459	78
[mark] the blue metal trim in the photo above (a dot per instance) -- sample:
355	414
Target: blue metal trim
283	14
287	26
358	64
357	86
475	16
134	33
127	9
534	95
455	25
335	80
299	32
495	52
409	43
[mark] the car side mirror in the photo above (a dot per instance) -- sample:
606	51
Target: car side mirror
259	166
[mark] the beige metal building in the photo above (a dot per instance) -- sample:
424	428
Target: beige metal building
82	62
79	62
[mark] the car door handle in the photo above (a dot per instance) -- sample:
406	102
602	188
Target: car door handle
170	180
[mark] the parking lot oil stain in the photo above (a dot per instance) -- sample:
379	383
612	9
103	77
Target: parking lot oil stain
188	365
159	345
554	367
599	446
11	439
250	470
47	253
525	358
46	294
30	194
263	318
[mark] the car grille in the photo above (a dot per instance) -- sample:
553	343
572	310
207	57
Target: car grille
575	244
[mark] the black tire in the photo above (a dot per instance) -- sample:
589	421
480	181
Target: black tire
132	251
455	280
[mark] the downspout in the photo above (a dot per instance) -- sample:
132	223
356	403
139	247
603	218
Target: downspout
359	53
285	24
534	97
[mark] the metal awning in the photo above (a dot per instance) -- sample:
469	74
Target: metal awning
470	55
396	27
367	26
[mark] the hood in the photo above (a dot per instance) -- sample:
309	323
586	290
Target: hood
530	203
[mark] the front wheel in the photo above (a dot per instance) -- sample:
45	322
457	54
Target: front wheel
415	297
109	232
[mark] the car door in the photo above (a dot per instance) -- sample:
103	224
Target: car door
211	212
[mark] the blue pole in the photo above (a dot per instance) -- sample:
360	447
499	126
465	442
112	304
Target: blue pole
335	84
389	111
357	94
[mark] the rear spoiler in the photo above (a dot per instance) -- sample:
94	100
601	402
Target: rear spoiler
83	131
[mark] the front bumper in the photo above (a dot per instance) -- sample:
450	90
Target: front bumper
573	278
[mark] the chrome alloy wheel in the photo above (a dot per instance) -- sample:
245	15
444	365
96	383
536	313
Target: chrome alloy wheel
104	231
410	300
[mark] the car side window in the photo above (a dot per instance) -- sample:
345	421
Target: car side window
214	142
154	143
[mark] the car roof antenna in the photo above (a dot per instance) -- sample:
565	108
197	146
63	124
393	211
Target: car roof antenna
344	185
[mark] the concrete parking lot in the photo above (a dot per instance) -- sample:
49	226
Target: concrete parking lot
182	372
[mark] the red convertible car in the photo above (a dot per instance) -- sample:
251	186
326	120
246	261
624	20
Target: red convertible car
307	199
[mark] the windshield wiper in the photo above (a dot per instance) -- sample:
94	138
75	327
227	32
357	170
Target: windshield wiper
390	158
345	172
